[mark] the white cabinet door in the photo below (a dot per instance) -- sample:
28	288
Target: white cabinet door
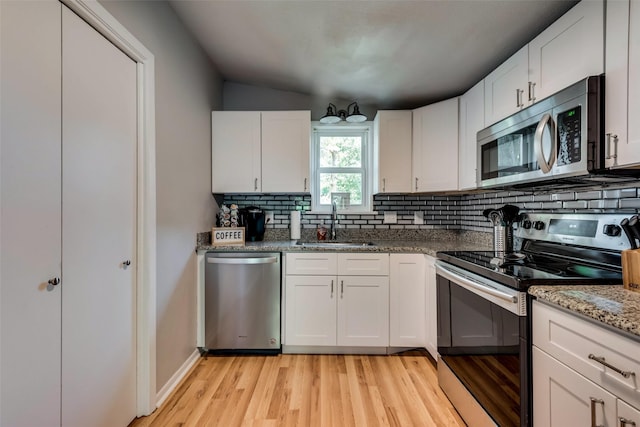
471	122
569	50
431	307
505	87
630	152
407	300
30	196
285	151
392	152
562	397
99	134
363	311
435	147
310	310
627	415
235	152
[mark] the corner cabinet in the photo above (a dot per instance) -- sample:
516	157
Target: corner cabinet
435	147
471	121
569	50
392	151
623	83
575	381
254	151
336	299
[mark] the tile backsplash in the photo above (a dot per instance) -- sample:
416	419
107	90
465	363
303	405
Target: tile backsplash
445	212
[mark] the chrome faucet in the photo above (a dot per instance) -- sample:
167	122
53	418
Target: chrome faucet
334	220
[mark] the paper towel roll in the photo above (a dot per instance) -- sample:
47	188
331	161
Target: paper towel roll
295	225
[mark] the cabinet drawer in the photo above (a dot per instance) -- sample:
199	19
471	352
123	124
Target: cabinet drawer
628	413
572	339
363	264
312	263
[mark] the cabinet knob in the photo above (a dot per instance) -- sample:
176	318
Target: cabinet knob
54	282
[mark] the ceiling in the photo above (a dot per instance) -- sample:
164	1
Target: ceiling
384	53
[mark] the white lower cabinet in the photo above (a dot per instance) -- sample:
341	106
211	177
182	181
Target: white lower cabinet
324	308
432	308
407	300
579	372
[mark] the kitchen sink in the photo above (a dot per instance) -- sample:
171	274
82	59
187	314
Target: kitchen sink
332	244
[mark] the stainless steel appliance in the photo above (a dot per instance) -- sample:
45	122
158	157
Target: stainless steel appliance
242	302
483	325
558	138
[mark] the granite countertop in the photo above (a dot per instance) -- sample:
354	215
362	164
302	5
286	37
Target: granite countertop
611	305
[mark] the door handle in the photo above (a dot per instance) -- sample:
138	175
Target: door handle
255	184
532	88
384	185
332	289
54	282
305	185
341	288
601	361
609	154
265	260
624	422
519	93
126	263
416	183
593	411
545	165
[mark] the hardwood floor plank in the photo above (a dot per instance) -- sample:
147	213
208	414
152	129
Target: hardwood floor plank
308	390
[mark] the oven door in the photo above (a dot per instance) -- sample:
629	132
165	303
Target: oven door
483	347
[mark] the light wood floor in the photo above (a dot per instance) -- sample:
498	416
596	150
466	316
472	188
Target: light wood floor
309	390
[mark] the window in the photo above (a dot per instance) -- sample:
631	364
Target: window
341	168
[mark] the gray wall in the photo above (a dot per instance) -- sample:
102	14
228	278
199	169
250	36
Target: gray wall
188	87
243	97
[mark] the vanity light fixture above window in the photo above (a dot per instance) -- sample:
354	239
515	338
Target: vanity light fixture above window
334	115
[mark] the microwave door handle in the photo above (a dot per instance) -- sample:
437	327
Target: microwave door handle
545	164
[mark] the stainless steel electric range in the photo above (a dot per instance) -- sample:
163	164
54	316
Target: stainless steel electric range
483	325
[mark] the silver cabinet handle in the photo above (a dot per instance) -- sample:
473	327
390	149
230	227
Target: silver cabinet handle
332	289
593	411
532	88
341	288
255	184
612	155
54	282
545	164
601	361
384	184
519	93
416	183
624	422
305	184
126	263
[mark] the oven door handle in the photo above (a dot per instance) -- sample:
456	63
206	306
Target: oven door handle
468	281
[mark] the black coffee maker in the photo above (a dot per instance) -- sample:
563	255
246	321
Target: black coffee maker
252	218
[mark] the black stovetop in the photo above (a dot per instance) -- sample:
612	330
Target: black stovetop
521	270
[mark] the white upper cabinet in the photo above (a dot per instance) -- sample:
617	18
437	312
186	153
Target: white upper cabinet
623	83
260	152
392	151
435	147
285	151
504	88
471	121
570	49
235	152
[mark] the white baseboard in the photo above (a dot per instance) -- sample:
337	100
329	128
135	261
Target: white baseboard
176	378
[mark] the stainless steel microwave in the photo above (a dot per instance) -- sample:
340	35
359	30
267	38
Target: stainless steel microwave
558	137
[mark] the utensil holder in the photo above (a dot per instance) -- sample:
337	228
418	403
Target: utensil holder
502	240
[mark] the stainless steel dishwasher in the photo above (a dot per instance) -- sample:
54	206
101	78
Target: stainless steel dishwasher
242	302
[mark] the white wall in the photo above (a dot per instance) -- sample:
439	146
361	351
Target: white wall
188	87
243	97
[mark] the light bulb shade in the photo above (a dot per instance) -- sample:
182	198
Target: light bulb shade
356	116
331	116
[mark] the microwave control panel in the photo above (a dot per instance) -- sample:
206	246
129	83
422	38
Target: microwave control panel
568	124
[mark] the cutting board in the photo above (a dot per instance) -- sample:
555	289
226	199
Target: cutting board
631	269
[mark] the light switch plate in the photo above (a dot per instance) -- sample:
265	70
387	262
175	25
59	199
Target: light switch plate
268	217
390	218
418	218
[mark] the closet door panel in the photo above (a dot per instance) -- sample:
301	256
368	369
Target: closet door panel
30	213
98	229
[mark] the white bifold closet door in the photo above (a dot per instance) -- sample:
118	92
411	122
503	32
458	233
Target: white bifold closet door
98	229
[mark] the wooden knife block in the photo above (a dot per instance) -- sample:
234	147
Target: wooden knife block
631	269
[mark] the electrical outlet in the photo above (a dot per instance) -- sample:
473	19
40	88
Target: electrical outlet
268	217
390	218
418	218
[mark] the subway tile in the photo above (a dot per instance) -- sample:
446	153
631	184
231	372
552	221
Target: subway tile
629	203
578	204
563	196
551	205
589	195
621	193
603	204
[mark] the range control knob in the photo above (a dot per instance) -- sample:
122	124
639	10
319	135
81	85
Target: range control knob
612	230
526	224
538	225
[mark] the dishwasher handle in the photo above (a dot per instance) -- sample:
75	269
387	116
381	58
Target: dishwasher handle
241	260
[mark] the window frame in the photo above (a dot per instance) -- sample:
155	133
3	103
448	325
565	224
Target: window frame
365	130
